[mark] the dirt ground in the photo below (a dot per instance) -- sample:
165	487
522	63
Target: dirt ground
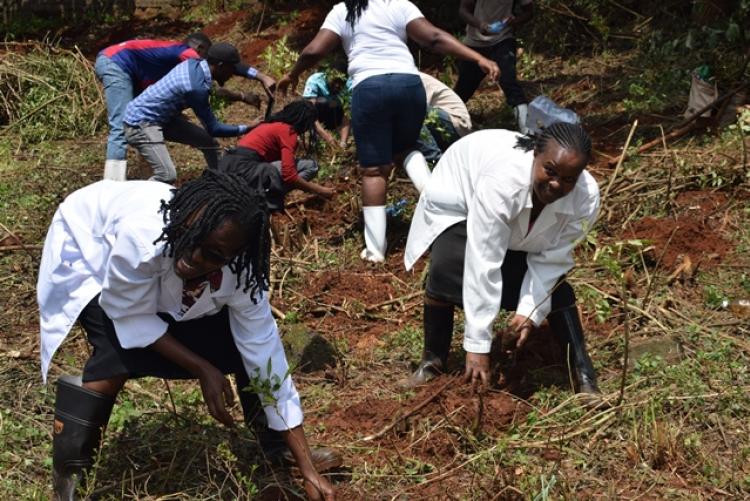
667	242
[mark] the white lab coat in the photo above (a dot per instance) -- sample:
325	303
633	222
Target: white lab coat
485	180
101	240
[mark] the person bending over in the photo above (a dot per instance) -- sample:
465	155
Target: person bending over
276	141
155	116
329	90
502	214
447	119
170	283
126	69
388	98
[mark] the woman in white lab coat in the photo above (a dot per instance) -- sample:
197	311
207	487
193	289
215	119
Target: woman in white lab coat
169	283
502	213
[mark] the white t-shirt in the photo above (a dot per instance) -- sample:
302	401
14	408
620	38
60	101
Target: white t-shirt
377	44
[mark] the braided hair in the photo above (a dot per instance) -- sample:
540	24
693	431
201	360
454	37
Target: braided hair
569	136
202	205
301	115
354	9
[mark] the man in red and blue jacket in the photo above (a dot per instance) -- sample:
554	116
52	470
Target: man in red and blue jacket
128	68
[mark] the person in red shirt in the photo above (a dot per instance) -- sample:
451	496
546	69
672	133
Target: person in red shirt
277	139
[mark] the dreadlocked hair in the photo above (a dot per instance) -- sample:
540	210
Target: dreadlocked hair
569	136
301	115
354	9
211	200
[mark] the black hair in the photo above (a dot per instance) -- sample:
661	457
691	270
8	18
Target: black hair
202	205
199	37
354	9
569	136
301	115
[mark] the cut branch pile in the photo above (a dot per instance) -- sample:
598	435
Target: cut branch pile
47	92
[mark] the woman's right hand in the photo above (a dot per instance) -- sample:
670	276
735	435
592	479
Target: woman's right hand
216	391
326	193
318	488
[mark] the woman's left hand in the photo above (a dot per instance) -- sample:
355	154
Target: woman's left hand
318	488
522	327
489	67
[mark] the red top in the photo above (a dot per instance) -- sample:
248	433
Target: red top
274	141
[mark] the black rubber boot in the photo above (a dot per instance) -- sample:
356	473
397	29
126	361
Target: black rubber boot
80	416
271	442
566	324
438	333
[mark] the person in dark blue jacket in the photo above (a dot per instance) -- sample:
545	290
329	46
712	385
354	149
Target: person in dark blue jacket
155	116
126	69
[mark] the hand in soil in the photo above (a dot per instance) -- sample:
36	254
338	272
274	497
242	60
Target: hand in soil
520	328
318	488
477	371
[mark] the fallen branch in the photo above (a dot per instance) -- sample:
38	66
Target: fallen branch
394	300
401	416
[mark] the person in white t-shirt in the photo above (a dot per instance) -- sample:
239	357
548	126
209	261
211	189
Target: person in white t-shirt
501	216
388	98
168	283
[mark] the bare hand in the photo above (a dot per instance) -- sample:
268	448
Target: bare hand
318	488
252	99
216	390
285	83
326	193
477	370
489	67
522	327
269	84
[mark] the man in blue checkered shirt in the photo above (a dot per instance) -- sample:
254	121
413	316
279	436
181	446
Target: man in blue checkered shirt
156	114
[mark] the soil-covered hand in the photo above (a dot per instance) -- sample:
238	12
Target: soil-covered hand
326	193
252	99
521	327
318	488
477	370
286	82
216	390
490	68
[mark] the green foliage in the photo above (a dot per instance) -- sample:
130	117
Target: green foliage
266	386
406	343
279	58
49	93
713	297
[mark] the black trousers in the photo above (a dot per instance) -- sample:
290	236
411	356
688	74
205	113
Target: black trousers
504	54
209	336
446	273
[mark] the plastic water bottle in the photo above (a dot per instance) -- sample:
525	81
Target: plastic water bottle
496	27
396	208
740	307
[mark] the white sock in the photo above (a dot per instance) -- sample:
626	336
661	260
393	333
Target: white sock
116	170
417	169
521	112
375	242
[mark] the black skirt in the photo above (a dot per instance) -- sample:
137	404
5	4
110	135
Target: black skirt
445	278
210	337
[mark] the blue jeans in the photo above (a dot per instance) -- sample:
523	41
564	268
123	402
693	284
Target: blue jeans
118	91
436	135
387	114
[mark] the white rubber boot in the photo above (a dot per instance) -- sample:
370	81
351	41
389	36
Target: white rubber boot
417	169
375	242
116	170
521	112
